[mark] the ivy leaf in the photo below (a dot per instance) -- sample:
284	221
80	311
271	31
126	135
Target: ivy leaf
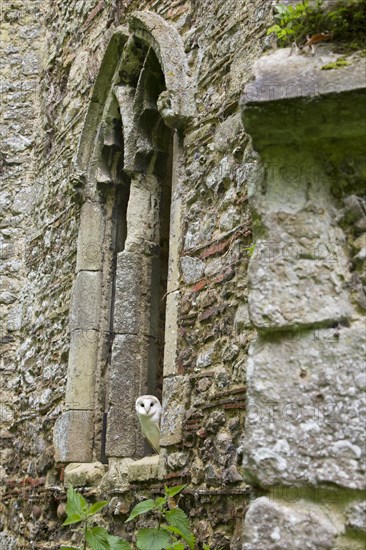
141	508
178	519
115	543
94	508
76	503
172	491
74	518
152	539
97	538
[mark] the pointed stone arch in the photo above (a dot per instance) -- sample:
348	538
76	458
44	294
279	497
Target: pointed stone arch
141	102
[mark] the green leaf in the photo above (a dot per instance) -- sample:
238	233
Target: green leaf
97	538
177	546
160	502
69	548
115	543
274	28
74	518
152	539
178	519
76	503
172	491
96	507
141	508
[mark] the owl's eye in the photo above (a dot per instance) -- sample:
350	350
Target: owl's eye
151	404
143	405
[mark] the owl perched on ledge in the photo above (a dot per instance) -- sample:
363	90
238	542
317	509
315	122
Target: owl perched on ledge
148	410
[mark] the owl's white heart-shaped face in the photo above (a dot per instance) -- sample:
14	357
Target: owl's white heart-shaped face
148	405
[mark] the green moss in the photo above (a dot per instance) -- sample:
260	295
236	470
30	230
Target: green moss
341	62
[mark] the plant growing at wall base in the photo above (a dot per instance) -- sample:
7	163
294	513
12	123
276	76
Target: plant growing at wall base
78	510
173	531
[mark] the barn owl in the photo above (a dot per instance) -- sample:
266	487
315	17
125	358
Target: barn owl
148	410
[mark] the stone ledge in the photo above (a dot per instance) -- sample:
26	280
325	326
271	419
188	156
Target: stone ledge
303	102
84	474
281	76
144	469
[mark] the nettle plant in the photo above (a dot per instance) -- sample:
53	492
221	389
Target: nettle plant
173	531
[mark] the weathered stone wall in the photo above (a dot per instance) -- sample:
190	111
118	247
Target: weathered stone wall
54	50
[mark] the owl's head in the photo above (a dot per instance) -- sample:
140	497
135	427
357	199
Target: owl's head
148	405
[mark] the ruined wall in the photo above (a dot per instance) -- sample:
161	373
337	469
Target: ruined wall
60	49
221	41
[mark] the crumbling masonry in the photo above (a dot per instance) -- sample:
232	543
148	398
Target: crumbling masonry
183	214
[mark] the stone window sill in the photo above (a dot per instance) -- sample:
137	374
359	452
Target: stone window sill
117	474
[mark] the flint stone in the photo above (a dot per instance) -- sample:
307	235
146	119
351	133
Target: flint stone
356	516
192	269
306	409
242	318
7	542
176	391
73	437
271	525
90	238
85	305
24	201
82	475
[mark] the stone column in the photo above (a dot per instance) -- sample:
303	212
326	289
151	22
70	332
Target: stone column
135	320
73	433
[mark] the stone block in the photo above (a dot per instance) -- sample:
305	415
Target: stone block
143	213
273	525
306	408
175	398
85	305
175	241
84	475
90	238
132	373
292	285
134	311
144	469
171	326
73	437
81	369
298	273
